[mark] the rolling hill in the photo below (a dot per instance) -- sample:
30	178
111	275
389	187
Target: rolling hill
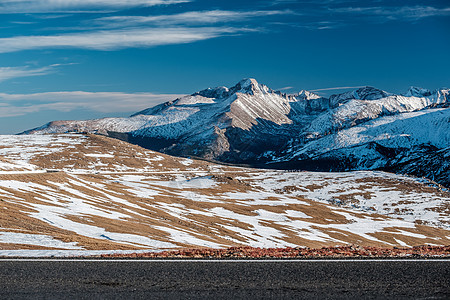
80	193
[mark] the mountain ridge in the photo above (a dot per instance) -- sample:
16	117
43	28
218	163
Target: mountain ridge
251	123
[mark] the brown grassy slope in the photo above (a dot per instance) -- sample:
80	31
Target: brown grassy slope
161	205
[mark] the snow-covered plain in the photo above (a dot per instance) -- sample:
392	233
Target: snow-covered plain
22	148
369	191
36	240
154	201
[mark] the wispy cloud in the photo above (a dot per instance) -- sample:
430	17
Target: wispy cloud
339	88
188	18
340	13
105	102
285	88
41	6
117	39
321	25
7	73
403	13
119	32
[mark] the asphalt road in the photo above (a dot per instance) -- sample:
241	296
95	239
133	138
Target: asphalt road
224	280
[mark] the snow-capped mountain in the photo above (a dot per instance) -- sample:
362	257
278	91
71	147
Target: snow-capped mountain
250	123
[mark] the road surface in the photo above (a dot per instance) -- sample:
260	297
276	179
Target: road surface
137	279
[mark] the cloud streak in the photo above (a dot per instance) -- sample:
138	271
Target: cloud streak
42	6
349	12
404	13
285	88
7	73
120	32
12	105
188	18
117	39
339	88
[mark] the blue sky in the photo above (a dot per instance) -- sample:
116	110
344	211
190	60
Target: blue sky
79	59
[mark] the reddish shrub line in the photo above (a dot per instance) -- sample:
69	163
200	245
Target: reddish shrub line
334	252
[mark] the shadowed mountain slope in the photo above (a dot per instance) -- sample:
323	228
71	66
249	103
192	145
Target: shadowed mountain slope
365	129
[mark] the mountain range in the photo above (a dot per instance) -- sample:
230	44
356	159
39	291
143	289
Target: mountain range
249	123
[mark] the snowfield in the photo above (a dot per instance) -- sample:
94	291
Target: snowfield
402	131
100	195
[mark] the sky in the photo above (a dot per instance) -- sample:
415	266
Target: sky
82	59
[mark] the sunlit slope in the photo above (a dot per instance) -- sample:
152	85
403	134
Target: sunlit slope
364	129
92	192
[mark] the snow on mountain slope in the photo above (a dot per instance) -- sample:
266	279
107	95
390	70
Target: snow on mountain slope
250	123
410	143
104	194
401	131
357	111
240	106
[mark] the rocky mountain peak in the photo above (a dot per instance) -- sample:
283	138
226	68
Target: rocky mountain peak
249	86
245	86
364	93
414	91
217	92
307	95
247	83
370	93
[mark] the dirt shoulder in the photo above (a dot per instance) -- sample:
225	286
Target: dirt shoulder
324	252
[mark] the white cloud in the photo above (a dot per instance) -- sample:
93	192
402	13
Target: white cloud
120	32
104	102
404	13
339	88
116	39
39	6
16	72
285	88
188	18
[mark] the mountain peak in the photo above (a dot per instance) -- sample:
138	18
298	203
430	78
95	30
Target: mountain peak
245	86
217	92
414	91
249	86
307	95
363	93
248	82
370	93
